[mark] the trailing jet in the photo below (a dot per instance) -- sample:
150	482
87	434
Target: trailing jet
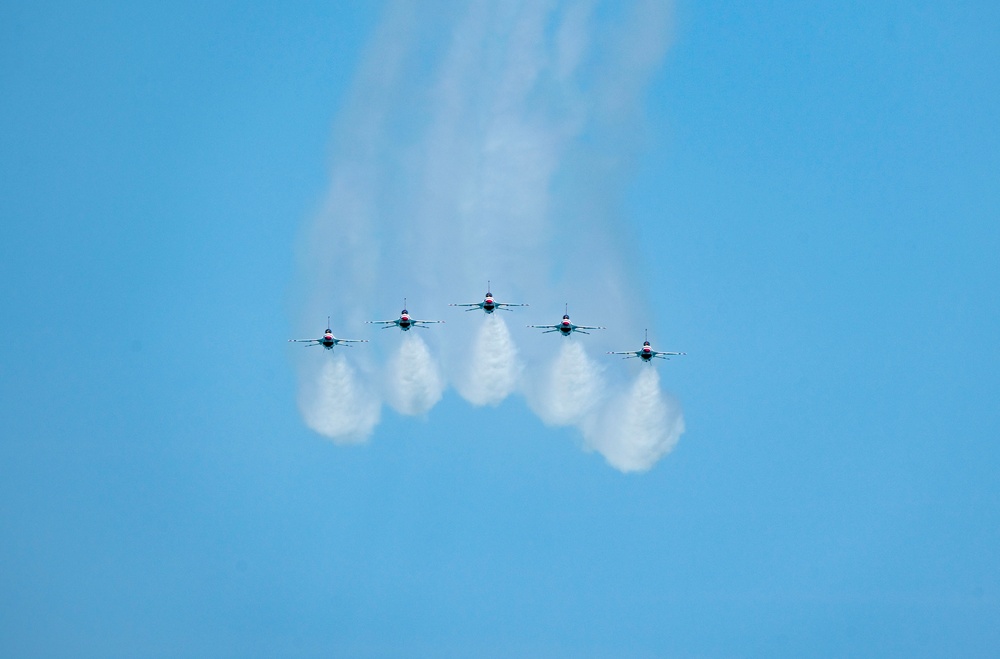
489	305
566	327
646	353
328	340
404	322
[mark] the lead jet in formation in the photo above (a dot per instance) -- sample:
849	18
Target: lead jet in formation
328	340
489	305
404	322
646	353
566	327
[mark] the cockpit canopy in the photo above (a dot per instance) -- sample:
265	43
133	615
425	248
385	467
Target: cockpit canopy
566	317
403	312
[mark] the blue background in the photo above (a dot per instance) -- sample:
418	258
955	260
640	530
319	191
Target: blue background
817	198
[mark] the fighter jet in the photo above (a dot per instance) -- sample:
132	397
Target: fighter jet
404	322
489	305
566	327
328	340
646	353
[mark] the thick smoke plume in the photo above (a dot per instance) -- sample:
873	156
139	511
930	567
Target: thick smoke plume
489	141
638	427
492	366
570	388
413	379
336	404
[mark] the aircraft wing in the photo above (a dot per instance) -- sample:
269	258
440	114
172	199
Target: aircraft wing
351	340
470	304
303	340
580	327
424	322
386	324
630	353
548	328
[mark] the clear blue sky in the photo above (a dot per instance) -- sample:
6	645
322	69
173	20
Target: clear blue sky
816	195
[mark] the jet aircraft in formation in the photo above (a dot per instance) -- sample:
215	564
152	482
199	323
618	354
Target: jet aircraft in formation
328	340
646	352
566	327
489	305
404	322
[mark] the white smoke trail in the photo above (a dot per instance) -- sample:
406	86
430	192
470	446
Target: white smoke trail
639	427
571	387
336	404
491	140
413	380
492	366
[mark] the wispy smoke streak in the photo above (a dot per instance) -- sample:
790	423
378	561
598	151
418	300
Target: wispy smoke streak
490	141
493	368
